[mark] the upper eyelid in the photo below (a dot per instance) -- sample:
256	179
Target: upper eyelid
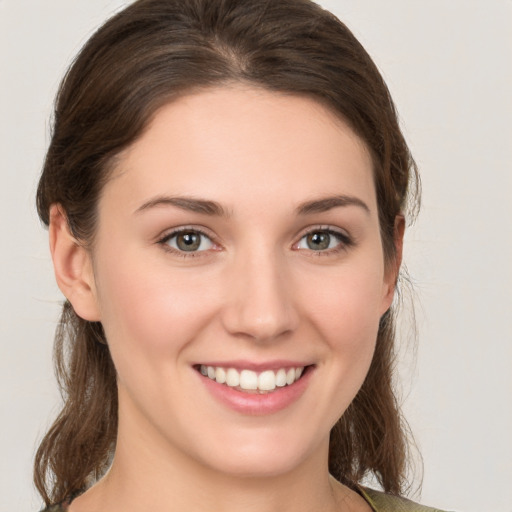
329	228
171	232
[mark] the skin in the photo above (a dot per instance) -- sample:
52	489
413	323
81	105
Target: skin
257	292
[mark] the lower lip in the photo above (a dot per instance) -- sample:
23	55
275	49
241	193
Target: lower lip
256	404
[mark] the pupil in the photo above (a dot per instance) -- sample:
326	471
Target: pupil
318	241
188	241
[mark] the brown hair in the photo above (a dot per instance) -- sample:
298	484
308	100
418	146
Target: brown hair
142	58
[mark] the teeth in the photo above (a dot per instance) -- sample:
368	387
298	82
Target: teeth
267	381
281	378
248	380
232	378
220	375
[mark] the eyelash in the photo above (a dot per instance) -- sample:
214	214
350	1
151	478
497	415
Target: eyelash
345	241
184	254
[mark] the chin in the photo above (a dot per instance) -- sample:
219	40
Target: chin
261	456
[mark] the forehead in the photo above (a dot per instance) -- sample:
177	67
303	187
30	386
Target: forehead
241	142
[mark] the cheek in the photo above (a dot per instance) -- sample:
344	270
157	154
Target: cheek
151	311
346	312
347	304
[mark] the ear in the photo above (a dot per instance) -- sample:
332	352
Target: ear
73	267
393	266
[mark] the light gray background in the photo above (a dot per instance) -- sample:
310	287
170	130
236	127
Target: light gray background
448	64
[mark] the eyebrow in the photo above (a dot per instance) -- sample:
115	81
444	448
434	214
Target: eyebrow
191	204
207	207
328	203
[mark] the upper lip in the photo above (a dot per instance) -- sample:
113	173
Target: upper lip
255	366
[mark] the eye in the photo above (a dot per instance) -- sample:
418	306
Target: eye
188	241
322	240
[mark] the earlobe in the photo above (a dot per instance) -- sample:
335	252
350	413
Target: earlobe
393	266
72	266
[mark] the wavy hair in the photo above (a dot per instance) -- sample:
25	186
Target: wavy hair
142	58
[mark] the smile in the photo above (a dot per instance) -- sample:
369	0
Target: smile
256	389
249	381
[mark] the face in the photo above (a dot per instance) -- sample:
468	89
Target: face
239	238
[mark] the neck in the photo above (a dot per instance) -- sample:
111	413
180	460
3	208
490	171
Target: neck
176	484
148	474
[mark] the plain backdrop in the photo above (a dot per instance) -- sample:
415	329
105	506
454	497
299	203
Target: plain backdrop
448	64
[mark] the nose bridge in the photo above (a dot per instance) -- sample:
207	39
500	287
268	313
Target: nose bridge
260	302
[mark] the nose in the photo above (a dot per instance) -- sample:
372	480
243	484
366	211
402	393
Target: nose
260	303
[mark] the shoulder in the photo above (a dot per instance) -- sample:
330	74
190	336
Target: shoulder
55	508
381	502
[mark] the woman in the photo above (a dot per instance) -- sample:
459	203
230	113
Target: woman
225	190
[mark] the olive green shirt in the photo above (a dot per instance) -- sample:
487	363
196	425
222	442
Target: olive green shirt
379	501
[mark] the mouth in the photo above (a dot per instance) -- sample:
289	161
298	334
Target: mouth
254	382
